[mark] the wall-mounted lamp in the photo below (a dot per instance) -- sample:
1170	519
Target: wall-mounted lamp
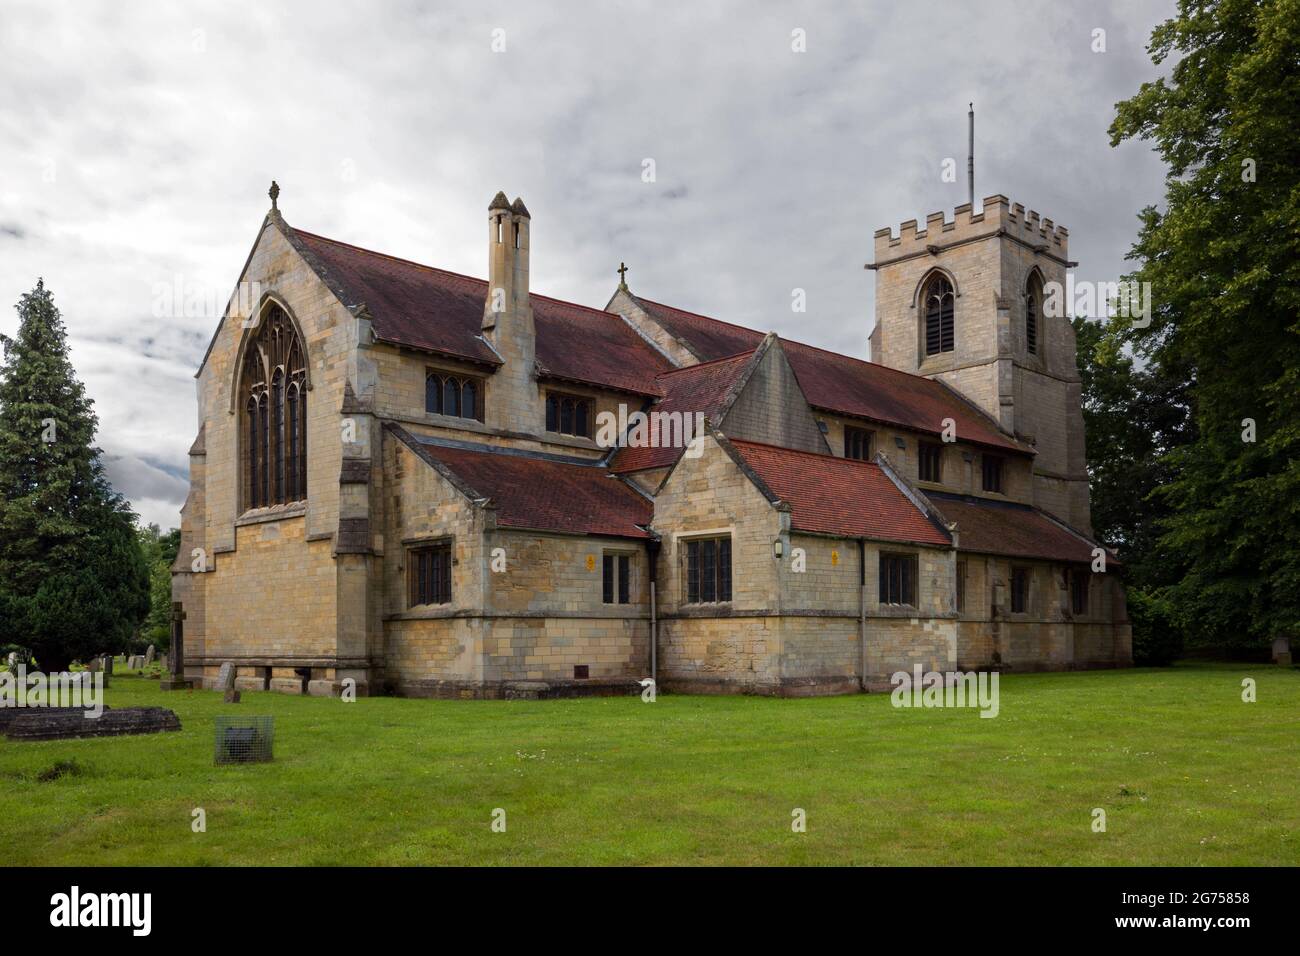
778	549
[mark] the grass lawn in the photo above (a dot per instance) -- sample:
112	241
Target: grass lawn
1187	773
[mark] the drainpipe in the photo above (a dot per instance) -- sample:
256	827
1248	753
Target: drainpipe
862	609
652	555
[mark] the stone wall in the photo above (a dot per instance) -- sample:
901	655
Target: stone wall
771	407
269	584
536	620
960	469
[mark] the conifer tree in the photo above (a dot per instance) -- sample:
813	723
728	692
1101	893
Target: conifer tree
73	580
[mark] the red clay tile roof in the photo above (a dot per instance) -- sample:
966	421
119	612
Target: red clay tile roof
844	385
427	308
695	388
1011	529
539	492
839	495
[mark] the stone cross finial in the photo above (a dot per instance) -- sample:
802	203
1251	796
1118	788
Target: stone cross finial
274	193
622	276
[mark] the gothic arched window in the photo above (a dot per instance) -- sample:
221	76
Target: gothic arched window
274	382
938	300
1033	309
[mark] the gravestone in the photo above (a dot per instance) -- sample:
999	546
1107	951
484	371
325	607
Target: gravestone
150	654
226	677
13	659
1282	651
108	664
93	664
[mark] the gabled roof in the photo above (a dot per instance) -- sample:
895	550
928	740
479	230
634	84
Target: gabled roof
537	491
1012	529
839	496
435	310
844	385
707	387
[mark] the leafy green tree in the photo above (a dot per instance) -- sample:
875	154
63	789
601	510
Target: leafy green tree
1223	260
1134	418
73	580
159	551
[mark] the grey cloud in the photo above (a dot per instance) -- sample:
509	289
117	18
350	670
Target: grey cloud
145	154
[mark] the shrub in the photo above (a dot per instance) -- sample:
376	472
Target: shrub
1157	640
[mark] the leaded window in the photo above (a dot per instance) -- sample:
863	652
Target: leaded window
274	389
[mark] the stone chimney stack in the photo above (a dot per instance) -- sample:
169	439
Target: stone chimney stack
508	318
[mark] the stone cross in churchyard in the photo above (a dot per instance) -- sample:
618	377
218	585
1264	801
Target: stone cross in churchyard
176	654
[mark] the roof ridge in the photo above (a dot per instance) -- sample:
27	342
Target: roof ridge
815	348
449	272
726	358
800	451
977	500
437	441
698	315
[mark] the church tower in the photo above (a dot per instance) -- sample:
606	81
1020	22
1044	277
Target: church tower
961	301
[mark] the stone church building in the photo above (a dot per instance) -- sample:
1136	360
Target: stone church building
438	485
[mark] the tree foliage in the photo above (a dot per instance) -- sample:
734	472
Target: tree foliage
159	552
1221	257
73	580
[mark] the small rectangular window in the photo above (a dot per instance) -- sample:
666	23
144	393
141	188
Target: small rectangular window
961	585
857	443
708	570
569	414
898	579
930	460
1079	591
616	578
429	574
992	468
1019	590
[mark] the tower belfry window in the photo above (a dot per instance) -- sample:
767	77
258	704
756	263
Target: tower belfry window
1033	309
939	302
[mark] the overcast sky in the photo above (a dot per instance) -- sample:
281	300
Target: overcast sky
137	142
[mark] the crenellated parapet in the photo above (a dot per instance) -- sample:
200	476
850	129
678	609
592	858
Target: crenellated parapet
999	216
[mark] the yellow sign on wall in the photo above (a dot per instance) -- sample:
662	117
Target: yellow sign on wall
591	562
835	558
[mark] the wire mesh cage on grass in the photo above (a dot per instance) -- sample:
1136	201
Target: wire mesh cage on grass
244	739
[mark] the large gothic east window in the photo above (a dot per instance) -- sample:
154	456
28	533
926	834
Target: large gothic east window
273	392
